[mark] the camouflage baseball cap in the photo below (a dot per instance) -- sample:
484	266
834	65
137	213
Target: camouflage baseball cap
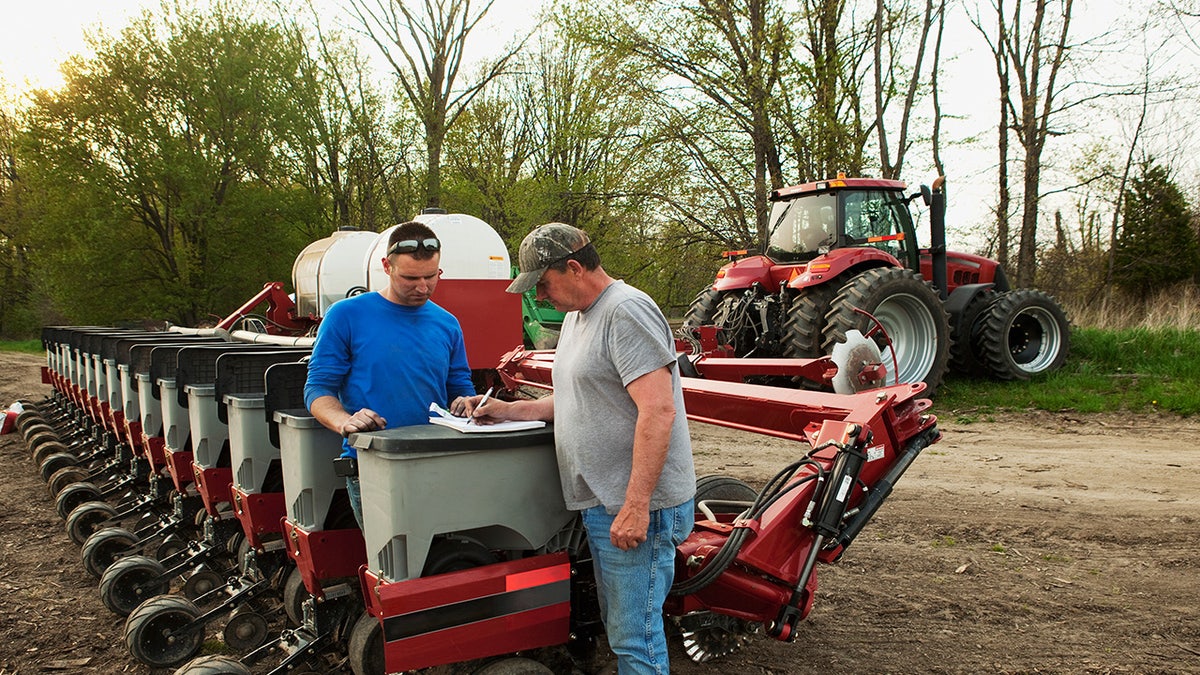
543	247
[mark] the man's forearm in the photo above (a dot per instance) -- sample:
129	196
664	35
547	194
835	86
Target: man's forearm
329	412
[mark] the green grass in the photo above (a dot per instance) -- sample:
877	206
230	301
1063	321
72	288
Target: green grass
1138	370
27	346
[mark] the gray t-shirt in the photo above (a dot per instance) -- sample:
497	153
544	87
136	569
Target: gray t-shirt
620	337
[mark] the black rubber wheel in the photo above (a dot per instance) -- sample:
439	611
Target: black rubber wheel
725	489
41	452
105	547
514	665
703	308
28	418
964	330
130	581
804	326
55	462
170	545
366	646
452	555
245	630
214	665
68	475
294	595
86	518
73	495
149	631
32	431
911	312
41	438
714	308
201	583
1024	333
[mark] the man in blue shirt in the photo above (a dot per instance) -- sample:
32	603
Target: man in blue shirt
381	358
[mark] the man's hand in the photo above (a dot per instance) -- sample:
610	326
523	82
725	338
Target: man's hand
363	420
629	527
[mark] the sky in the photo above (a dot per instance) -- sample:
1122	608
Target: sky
37	35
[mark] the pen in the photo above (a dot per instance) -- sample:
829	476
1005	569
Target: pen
483	400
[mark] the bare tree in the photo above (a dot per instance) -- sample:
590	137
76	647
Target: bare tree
1003	197
1033	52
424	44
889	35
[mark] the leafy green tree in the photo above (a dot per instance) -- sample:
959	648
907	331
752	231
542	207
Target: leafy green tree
164	185
1157	245
18	316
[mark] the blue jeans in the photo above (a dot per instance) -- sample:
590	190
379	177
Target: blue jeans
633	585
354	492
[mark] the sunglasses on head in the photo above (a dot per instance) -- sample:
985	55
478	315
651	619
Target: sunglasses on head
411	245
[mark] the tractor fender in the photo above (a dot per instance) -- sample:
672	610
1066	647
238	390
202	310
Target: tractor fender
962	296
744	273
840	263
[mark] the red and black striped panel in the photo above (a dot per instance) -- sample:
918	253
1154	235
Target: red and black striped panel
475	613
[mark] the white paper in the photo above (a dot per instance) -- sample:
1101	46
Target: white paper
440	415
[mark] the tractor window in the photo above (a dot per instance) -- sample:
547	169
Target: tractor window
802	228
872	214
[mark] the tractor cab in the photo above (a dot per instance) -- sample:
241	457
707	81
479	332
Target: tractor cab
812	219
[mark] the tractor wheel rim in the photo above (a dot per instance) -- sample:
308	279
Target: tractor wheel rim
1033	339
913	333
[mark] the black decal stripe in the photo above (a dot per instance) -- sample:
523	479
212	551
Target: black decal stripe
476	609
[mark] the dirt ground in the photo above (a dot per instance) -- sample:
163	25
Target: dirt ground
1032	543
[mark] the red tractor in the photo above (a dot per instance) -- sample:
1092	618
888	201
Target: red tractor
841	256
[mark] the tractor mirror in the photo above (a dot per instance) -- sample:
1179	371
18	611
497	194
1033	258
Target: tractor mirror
926	194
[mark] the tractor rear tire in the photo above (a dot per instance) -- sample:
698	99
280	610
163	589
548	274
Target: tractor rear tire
1024	333
703	308
911	313
803	330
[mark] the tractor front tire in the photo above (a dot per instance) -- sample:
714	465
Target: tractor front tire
1022	334
912	314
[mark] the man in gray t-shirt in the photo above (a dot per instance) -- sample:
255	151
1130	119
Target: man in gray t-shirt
624	454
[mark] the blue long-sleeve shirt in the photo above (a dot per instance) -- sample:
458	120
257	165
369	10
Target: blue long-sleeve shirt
393	359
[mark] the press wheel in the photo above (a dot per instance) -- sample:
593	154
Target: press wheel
215	665
245	630
105	547
366	646
73	495
153	631
128	582
85	519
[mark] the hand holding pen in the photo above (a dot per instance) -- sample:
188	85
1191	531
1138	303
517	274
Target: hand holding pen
471	414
